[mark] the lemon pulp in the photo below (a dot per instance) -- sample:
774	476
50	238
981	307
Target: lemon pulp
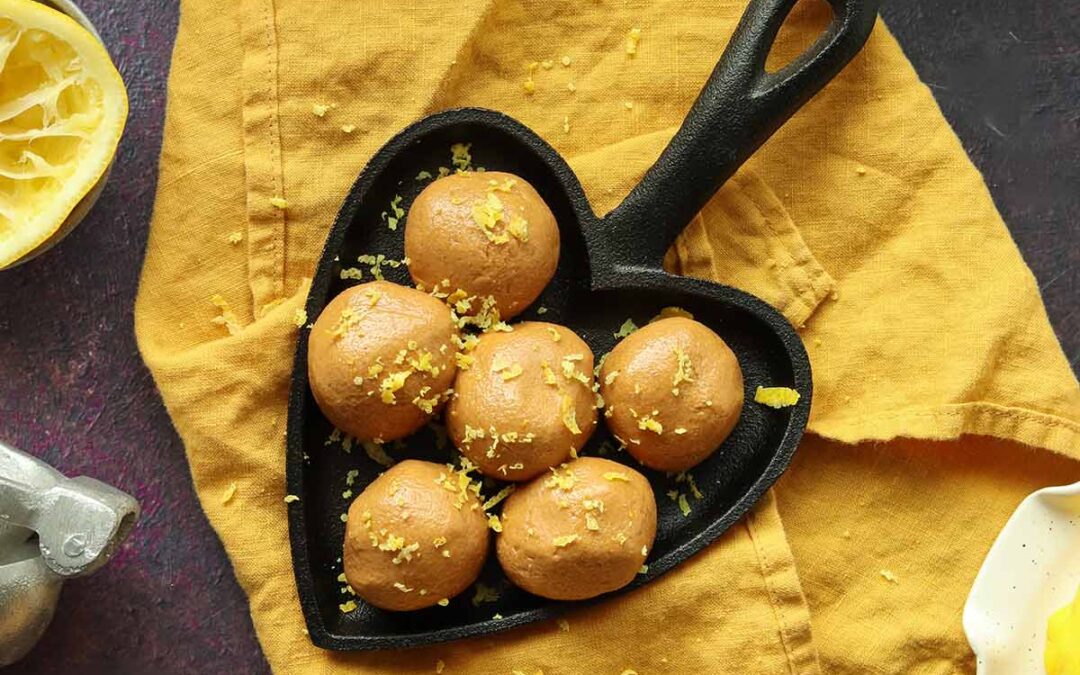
62	111
1062	655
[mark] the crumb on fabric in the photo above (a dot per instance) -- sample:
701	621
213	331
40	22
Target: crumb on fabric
348	128
299	317
279	203
236	237
320	109
887	575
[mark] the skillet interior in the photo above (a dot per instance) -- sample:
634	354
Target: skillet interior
592	302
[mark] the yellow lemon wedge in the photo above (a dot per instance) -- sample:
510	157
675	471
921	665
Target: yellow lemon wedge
62	112
1062	655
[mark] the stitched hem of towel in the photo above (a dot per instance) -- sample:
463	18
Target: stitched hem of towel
262	154
783	586
798	282
948	422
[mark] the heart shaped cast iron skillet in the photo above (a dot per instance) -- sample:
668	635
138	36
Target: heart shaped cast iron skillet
609	270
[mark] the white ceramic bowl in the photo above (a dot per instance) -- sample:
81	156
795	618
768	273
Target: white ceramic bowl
1032	569
87	202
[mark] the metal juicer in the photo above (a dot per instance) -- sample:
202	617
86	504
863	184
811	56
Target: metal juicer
52	528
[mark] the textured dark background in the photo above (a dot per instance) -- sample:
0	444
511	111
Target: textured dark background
74	392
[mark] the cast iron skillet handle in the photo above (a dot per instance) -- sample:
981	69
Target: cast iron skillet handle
738	109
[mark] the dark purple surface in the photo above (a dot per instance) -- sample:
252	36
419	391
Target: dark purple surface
74	391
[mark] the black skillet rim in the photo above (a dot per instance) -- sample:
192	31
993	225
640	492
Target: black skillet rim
605	278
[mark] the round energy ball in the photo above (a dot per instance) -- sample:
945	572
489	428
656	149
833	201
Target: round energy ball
674	391
381	360
582	530
525	402
488	234
410	542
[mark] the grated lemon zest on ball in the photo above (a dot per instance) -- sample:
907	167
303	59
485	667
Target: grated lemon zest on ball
684	370
610	377
392	383
565	540
549	375
564	481
616	475
650	423
494	523
402	587
569	415
444	602
776	397
591	522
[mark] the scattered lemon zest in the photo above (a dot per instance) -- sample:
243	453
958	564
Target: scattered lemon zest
632	40
320	109
494	523
348	128
225	317
402	587
236	237
229	493
887	575
684	505
680	430
299	317
566	123
393	383
555	335
377	453
564	481
650	423
626	329
591	523
616	475
498	497
484	593
444	602
461	158
776	397
289	499
549	375
347	607
279	203
566	61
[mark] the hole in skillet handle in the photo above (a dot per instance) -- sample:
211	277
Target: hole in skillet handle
609	270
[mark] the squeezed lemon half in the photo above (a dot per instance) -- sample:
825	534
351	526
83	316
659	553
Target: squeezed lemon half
62	112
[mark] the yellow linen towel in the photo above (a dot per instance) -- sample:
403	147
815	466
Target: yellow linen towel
862	220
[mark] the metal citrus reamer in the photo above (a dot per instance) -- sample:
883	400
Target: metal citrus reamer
52	528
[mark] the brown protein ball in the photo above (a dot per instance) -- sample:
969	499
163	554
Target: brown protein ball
674	391
414	537
381	360
489	234
583	530
525	401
